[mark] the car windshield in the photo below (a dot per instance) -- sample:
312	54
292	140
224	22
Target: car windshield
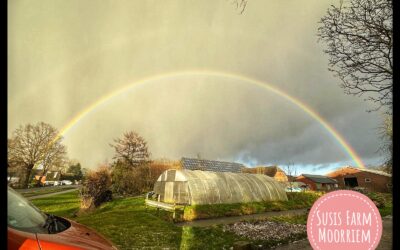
23	215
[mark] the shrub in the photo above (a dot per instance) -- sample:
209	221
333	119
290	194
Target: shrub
122	179
304	199
96	188
128	180
378	198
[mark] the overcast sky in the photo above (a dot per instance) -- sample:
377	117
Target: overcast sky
65	55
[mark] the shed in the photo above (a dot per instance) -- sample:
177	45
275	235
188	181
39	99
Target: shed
192	187
318	182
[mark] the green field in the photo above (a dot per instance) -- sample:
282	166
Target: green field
127	223
130	225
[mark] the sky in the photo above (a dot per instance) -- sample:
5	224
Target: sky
63	56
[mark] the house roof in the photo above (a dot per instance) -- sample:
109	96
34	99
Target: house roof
209	165
368	170
320	178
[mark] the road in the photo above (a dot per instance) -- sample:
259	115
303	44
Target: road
21	191
51	194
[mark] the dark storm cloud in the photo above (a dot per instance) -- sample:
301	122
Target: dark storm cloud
64	55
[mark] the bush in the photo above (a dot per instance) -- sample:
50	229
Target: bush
127	180
122	179
304	199
378	198
96	188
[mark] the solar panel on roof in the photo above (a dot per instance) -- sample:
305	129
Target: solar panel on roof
209	165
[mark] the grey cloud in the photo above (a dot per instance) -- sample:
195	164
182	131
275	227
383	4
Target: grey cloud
65	55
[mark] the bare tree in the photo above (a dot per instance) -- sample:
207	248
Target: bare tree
131	149
358	34
32	145
55	158
291	172
14	170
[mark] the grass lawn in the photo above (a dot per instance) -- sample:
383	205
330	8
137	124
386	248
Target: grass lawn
44	191
129	225
64	205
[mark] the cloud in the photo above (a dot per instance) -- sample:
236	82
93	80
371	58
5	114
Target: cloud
63	56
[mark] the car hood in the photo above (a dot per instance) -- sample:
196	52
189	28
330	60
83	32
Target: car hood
77	235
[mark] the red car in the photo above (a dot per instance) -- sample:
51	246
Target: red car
30	228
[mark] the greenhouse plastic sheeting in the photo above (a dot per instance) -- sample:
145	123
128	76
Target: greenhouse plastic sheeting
204	187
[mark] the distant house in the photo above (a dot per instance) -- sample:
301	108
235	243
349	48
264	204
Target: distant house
318	182
53	176
373	180
209	165
272	171
50	175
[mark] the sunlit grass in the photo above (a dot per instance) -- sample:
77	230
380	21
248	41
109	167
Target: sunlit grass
130	225
64	205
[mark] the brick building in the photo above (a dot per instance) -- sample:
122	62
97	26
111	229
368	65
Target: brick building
318	182
373	180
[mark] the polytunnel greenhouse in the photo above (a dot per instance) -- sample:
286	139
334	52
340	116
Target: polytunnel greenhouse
191	187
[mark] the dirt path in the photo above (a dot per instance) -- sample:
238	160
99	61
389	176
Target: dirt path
50	194
233	219
384	244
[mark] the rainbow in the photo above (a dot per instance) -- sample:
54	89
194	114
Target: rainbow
332	131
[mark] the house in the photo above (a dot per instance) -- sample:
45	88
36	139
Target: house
209	165
318	182
372	180
272	171
50	175
14	174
